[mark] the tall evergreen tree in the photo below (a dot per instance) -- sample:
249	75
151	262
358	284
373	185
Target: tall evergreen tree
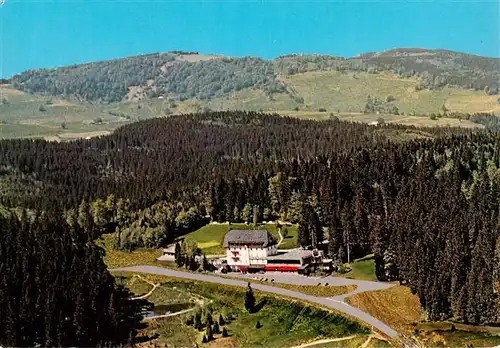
249	299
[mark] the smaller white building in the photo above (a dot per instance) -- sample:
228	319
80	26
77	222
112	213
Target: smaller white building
168	253
249	249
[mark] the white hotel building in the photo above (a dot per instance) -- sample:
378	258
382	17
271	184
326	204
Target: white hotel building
249	249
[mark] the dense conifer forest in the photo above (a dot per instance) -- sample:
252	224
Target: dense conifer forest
427	208
55	289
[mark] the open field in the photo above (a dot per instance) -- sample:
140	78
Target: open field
115	258
418	121
283	323
210	237
347	92
24	115
396	306
362	269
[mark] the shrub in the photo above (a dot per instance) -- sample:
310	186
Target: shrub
344	269
322	110
204	340
209	333
433	117
285	232
42	108
224	332
258	325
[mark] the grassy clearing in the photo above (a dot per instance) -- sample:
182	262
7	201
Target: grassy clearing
116	259
284	322
347	92
362	269
418	121
396	306
210	237
138	286
21	116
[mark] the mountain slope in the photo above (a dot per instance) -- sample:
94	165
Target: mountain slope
181	76
399	85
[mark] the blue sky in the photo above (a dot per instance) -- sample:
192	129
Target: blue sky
44	33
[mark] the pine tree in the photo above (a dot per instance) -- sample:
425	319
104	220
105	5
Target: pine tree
216	328
85	219
496	277
205	265
209	333
222	322
210	320
224	332
249	299
255	215
197	321
246	214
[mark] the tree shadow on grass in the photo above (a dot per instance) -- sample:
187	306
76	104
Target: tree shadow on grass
259	306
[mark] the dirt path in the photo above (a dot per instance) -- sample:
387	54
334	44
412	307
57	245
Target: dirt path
367	342
150	292
326	340
334	303
170	314
281	238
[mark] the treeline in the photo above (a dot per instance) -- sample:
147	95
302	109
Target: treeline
164	73
55	289
428	209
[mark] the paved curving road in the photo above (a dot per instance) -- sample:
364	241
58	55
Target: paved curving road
330	302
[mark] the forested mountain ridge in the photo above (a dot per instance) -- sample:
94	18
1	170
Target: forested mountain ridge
185	76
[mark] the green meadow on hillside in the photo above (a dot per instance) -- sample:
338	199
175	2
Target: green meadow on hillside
24	115
348	91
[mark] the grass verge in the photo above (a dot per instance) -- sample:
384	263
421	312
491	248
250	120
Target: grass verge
313	290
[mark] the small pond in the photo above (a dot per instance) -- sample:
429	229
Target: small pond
166	309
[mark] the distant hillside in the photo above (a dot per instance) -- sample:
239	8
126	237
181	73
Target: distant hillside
187	75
